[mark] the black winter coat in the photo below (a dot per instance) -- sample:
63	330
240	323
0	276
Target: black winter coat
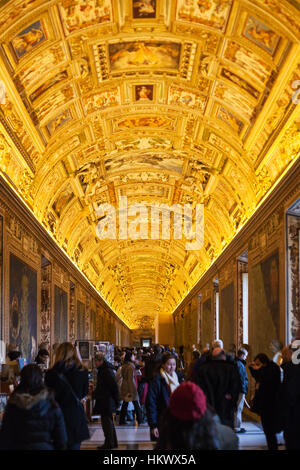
32	422
158	397
77	385
107	393
265	402
290	405
219	379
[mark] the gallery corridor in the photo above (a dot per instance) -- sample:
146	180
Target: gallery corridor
150	199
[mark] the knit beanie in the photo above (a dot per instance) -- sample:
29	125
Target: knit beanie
188	402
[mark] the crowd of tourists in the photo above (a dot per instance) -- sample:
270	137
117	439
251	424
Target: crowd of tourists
195	406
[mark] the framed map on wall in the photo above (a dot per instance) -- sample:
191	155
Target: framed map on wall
23	307
227	323
265	295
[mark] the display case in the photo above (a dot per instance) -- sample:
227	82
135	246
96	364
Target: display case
88	348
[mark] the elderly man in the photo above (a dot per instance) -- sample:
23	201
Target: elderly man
107	400
219	379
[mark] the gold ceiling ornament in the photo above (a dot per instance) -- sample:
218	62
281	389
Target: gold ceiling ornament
163	102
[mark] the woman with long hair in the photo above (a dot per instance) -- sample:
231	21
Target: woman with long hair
32	419
159	392
129	388
69	380
265	403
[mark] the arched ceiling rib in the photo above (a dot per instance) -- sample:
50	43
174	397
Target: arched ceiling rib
166	102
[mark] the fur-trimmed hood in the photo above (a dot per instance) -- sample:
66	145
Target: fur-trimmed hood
25	401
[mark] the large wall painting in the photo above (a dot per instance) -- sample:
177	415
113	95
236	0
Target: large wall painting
227	323
80	320
129	55
60	315
207	323
265	298
23	307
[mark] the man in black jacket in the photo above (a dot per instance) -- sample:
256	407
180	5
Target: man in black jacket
241	363
219	379
107	400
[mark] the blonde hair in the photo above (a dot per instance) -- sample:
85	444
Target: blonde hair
67	353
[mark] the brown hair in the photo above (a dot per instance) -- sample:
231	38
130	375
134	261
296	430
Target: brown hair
166	356
67	353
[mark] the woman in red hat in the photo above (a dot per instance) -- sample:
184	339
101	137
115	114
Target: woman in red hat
189	424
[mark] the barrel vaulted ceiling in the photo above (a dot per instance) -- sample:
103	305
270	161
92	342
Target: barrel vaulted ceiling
162	101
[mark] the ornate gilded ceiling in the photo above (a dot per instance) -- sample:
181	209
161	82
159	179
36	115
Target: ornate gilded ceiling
186	101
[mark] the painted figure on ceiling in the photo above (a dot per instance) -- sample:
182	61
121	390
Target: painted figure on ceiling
144	7
144	93
262	35
27	41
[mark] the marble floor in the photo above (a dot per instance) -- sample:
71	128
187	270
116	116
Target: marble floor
137	437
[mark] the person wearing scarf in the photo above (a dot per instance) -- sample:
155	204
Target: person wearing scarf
159	392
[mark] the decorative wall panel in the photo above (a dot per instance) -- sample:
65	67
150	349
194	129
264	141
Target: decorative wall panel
46	302
80	320
60	315
207	323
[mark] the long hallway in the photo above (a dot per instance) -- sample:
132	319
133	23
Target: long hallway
150	203
137	438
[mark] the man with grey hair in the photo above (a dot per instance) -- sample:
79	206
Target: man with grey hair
218	343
